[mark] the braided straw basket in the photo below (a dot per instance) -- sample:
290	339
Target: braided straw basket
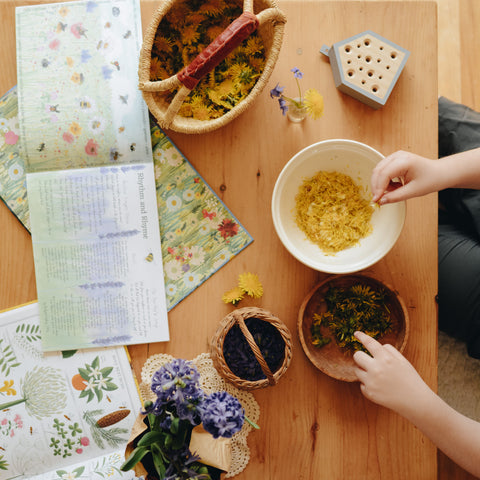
268	23
238	317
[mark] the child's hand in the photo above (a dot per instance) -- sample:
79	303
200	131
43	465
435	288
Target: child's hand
387	378
403	175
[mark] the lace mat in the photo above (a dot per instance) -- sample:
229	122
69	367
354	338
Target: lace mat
211	382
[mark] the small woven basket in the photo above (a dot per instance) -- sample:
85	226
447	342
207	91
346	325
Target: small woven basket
238	317
268	22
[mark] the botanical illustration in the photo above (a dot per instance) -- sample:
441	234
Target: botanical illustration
47	430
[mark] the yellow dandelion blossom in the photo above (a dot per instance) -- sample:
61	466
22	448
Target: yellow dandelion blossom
233	296
177	14
162	44
212	7
250	284
189	34
313	103
202	112
253	46
227	87
213	32
157	72
257	63
195	18
185	110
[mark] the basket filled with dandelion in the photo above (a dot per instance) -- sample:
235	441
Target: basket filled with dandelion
251	348
203	62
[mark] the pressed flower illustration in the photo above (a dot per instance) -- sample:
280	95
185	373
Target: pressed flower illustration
311	103
44	392
93	380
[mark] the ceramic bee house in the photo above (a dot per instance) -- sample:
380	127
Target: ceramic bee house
366	66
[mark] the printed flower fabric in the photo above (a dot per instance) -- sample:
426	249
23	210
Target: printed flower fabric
199	233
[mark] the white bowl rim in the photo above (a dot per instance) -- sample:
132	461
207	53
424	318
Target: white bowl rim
332	268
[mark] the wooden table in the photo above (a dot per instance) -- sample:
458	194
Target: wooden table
312	426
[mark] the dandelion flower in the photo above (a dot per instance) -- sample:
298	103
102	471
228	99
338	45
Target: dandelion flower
157	72
250	284
162	44
213	32
254	45
233	296
314	103
202	112
190	34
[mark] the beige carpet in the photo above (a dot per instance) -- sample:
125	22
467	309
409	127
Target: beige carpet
458	377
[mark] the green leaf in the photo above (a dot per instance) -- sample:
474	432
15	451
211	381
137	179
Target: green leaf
150	438
175	425
68	353
110	386
84	373
96	362
158	461
78	471
135	457
106	371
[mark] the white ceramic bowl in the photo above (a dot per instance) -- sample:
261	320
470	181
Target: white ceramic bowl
351	158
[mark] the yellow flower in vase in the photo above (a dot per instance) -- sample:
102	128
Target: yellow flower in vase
313	103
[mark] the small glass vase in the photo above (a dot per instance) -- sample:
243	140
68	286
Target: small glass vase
296	113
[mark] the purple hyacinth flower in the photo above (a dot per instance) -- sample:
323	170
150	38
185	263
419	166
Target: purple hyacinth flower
297	73
222	415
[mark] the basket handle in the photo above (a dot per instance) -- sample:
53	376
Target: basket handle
255	350
188	78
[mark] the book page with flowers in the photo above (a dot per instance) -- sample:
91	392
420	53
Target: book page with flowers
63	415
85	139
199	234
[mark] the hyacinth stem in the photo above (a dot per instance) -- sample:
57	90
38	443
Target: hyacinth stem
11	404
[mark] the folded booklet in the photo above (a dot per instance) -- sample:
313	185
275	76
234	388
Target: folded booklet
85	138
199	234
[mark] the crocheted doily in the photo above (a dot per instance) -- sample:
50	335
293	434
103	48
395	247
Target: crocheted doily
211	382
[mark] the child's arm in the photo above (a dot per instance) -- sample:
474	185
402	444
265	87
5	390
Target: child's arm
387	378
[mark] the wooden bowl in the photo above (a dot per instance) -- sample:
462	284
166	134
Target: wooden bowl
332	359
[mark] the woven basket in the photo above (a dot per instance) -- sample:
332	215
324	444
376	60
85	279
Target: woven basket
238	317
268	22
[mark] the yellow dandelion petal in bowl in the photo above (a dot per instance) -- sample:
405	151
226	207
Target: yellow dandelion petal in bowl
313	103
250	284
233	296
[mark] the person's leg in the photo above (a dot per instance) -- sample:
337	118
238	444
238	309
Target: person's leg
459	233
459	284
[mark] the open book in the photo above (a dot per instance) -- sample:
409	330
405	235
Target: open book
86	143
62	414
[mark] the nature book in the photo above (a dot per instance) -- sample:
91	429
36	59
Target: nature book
85	139
63	415
199	234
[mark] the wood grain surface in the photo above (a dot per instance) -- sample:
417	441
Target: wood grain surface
312	426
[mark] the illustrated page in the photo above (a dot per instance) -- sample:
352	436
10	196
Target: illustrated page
85	138
62	414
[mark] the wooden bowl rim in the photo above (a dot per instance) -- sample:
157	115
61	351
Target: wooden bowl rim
332	279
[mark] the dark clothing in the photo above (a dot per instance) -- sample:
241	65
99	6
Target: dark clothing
459	233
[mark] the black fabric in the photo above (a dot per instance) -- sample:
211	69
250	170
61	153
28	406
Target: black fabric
459	232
